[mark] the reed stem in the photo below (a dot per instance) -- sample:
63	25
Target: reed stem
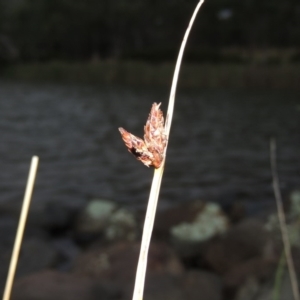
282	222
21	227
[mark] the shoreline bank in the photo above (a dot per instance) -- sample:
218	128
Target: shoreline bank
204	75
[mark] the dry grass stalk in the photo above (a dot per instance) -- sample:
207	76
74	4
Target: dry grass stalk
158	172
21	227
282	222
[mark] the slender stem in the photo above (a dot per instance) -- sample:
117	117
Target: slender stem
278	277
282	222
147	232
21	227
158	173
177	69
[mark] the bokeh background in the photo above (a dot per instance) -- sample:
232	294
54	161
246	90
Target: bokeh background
68	30
72	72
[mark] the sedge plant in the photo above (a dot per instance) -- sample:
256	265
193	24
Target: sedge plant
152	152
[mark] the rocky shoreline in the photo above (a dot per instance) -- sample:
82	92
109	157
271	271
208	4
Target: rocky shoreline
197	252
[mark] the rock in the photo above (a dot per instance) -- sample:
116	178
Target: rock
95	216
163	259
293	230
244	254
295	199
208	223
53	216
296	258
248	291
294	210
259	269
254	290
242	242
118	262
104	218
161	286
292	219
192	285
236	211
52	285
67	251
42	217
171	217
36	254
122	226
285	291
58	216
202	285
36	250
188	237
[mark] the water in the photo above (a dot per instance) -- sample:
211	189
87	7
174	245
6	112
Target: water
218	150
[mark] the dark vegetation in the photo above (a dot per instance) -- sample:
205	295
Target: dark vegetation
151	30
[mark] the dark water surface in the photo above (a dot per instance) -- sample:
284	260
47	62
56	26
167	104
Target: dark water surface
218	150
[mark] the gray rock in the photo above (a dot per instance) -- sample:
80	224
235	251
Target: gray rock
104	218
192	285
35	255
36	252
67	251
188	237
95	216
52	285
119	261
254	290
244	241
209	222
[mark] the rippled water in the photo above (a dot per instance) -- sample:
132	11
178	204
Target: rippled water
218	150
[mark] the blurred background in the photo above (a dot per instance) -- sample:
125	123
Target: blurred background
72	72
228	31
